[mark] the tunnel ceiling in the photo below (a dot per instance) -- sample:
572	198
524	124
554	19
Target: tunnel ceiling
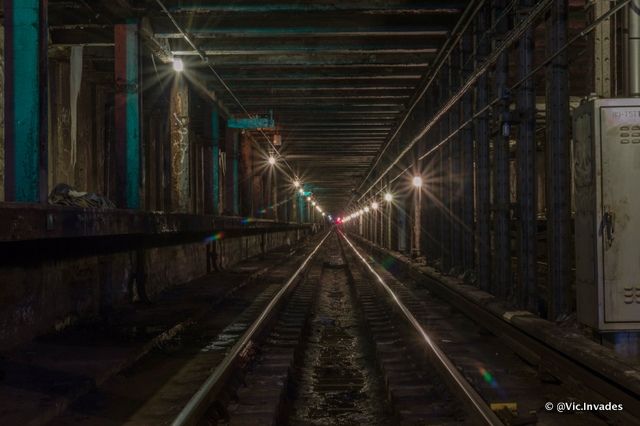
336	74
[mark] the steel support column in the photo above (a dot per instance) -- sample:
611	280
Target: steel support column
25	97
468	237
232	184
416	243
402	224
427	204
389	235
557	150
455	169
274	194
295	208
445	175
180	147
601	41
502	220
127	115
483	214
375	224
526	173
215	153
415	234
301	210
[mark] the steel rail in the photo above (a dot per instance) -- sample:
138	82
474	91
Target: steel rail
563	365
200	401
472	398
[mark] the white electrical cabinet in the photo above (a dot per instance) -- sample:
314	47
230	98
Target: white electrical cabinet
606	157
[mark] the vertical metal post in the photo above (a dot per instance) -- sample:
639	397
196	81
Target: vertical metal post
526	172
502	237
402	224
295	206
274	197
468	240
375	226
482	161
415	241
127	114
389	210
558	183
436	188
25	97
601	40
180	147
215	140
445	175
416	245
232	176
427	206
389	226
455	169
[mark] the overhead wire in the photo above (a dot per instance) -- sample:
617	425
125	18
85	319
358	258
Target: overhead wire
491	104
511	38
293	175
430	79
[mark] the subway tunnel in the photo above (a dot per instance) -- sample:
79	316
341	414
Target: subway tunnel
243	212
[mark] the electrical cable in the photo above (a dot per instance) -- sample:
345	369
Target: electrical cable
293	176
510	38
444	53
487	107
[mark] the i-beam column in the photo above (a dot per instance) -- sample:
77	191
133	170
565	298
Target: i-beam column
526	172
482	158
502	236
468	237
127	115
445	173
455	168
215	153
232	176
25	97
558	182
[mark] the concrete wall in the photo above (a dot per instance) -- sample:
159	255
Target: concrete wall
52	295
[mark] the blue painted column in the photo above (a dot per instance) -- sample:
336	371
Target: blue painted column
127	115
301	209
215	140
26	118
232	184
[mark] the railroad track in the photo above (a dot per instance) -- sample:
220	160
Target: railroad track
335	353
333	339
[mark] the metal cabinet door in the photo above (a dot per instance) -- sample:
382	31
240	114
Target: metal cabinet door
619	227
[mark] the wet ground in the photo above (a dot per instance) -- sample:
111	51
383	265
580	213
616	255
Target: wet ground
339	384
